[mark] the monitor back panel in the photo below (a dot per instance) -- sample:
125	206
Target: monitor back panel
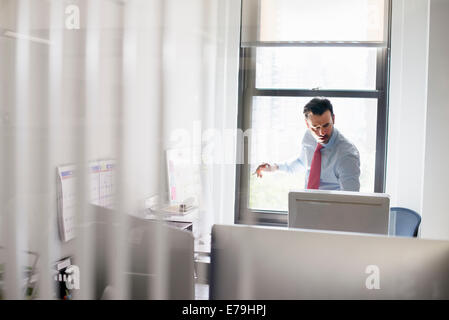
339	211
273	263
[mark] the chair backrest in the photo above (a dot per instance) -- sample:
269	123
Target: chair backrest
406	221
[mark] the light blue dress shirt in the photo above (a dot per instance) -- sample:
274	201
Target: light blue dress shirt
340	162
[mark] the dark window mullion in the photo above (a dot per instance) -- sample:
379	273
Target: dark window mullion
313	93
382	104
245	214
382	84
313	44
381	132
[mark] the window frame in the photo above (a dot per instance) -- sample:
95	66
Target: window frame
247	90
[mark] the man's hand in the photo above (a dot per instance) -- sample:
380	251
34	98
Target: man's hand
265	167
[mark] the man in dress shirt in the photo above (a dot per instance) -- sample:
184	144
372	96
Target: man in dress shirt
340	159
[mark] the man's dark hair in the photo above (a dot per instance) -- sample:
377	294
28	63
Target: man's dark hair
318	106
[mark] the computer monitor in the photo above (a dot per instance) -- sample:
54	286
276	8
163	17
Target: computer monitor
250	262
339	211
142	242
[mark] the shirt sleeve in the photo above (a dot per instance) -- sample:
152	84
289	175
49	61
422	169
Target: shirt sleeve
292	166
348	172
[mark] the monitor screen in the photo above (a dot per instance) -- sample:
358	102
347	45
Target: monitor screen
339	211
249	262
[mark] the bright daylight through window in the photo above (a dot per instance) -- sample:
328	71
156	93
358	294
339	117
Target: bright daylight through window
292	51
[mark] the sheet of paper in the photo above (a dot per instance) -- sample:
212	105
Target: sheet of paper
94	177
101	192
106	182
66	201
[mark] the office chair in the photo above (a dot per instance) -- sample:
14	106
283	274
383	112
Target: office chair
406	220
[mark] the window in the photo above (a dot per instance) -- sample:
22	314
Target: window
292	51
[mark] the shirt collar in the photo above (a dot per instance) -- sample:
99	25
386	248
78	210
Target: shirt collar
332	139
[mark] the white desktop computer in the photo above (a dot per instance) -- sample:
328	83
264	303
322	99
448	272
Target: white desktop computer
249	262
339	211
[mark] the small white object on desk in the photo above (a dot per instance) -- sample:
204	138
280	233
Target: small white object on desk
173	213
176	209
183	208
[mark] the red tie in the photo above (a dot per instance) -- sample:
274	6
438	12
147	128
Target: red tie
315	169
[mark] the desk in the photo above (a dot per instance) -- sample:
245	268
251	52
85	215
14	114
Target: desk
202	242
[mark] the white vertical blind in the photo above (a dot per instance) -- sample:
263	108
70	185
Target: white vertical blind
113	87
49	110
90	55
16	219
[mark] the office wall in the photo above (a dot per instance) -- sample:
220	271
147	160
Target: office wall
417	173
408	104
436	170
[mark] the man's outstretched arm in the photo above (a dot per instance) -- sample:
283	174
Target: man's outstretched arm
289	167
